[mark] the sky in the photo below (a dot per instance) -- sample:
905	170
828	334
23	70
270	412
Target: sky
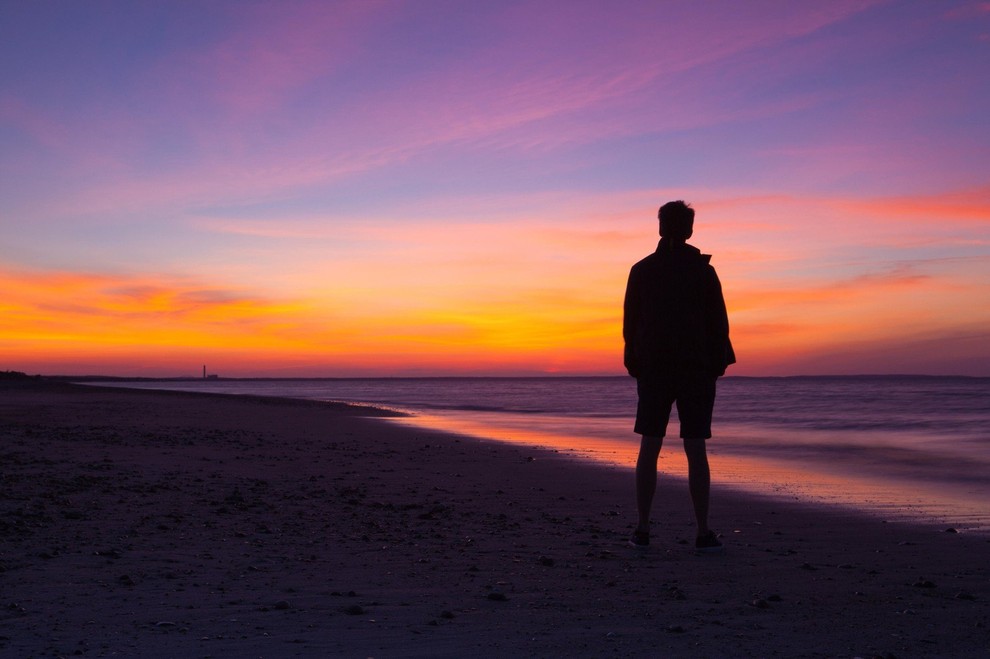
435	187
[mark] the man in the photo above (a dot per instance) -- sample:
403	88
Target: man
676	334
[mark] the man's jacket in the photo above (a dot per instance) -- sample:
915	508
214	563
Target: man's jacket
674	314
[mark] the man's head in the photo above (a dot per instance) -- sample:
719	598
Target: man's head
676	221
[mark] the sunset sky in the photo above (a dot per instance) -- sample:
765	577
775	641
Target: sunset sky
460	187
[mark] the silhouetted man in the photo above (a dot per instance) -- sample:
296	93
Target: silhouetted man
676	333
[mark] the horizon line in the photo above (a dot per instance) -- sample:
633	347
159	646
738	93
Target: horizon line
216	378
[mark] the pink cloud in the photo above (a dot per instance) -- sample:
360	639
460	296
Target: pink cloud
968	11
500	96
954	351
32	121
514	83
268	53
966	207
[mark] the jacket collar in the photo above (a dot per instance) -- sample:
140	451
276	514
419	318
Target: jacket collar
666	245
681	250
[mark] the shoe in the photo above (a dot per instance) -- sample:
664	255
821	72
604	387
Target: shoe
640	540
708	543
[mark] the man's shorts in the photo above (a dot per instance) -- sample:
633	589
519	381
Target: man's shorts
694	394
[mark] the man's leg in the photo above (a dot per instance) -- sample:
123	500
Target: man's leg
699	481
646	479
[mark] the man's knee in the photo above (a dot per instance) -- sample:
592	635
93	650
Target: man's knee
695	449
650	446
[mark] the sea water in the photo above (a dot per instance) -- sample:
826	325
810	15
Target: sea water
901	447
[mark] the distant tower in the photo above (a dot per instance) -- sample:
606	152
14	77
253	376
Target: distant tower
204	371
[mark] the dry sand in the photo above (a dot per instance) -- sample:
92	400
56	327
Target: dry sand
154	524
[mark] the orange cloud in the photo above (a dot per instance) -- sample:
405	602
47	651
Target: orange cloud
505	291
107	322
42	309
804	324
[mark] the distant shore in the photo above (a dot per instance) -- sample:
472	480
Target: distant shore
146	523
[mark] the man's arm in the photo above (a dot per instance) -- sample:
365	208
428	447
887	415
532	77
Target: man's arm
722	353
630	318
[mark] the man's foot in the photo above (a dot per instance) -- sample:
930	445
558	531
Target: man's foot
708	543
640	540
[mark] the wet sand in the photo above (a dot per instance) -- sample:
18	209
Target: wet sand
164	524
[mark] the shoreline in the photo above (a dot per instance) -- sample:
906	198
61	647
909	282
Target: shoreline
159	523
878	474
885	498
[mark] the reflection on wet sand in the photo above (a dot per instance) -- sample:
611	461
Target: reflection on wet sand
959	505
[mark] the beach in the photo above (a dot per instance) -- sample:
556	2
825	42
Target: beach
172	524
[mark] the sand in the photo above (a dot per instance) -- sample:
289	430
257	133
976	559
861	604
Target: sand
156	524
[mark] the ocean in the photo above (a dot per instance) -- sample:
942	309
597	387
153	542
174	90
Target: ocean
900	447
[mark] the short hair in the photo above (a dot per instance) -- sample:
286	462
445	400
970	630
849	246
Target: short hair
676	220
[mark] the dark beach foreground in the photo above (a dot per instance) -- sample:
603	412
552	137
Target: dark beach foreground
165	524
